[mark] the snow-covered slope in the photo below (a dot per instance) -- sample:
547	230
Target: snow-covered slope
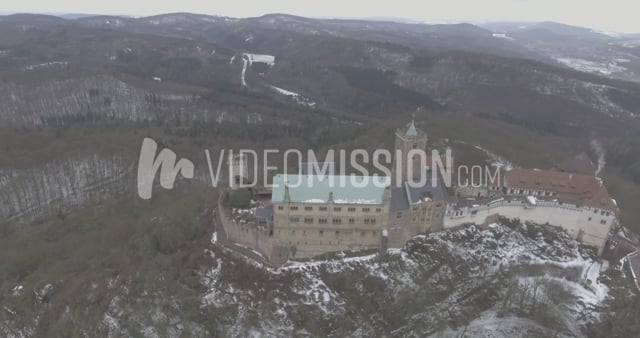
527	278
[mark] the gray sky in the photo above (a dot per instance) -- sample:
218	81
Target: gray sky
609	15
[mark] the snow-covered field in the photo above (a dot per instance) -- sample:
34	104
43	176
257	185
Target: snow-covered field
502	36
248	59
264	58
603	68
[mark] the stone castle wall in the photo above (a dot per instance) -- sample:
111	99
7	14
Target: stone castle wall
589	227
298	227
249	236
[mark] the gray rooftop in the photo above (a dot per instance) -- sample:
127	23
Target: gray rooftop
403	197
264	212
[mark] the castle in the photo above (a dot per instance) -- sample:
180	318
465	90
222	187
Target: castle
309	214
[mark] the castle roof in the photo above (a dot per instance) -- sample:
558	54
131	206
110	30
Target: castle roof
323	188
582	190
411	130
403	197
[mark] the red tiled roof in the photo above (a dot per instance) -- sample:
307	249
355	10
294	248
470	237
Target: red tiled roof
579	189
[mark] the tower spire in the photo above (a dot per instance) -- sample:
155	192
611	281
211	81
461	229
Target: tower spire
411	128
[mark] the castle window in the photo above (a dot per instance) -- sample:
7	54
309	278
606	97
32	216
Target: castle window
337	209
337	220
294	219
351	210
308	220
398	215
280	208
366	209
374	233
370	220
308	208
337	233
320	233
589	218
293	208
323	208
293	232
322	221
351	220
378	209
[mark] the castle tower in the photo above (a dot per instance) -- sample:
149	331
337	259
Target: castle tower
407	138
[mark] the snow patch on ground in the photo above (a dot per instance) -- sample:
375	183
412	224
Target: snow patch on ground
46	65
244	71
248	59
264	58
604	68
295	96
502	36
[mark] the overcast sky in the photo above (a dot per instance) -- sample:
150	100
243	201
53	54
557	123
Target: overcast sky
610	15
